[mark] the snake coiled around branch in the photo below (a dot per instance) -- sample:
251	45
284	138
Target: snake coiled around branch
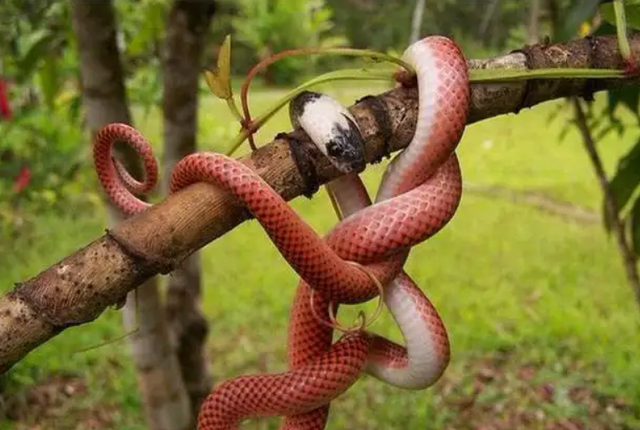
419	194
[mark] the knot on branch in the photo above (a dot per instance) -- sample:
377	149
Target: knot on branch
380	113
144	265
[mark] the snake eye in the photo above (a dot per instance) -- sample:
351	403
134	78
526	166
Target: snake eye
333	149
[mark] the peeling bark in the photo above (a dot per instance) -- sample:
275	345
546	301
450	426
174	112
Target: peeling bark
77	289
163	393
187	26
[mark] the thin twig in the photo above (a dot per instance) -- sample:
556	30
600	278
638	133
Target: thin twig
617	226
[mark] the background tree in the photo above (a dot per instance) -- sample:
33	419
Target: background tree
533	32
416	21
104	98
187	27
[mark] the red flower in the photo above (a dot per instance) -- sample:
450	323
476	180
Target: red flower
5	109
22	180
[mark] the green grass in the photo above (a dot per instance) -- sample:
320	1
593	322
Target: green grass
507	280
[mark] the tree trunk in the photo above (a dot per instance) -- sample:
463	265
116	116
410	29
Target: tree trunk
487	18
533	29
416	21
105	101
187	27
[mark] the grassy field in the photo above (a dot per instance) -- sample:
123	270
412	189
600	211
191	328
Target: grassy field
543	327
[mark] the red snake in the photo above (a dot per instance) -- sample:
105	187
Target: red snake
419	193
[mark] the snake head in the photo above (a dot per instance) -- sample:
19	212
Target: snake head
331	128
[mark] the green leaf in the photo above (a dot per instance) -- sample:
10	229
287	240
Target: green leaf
224	63
215	84
628	97
632	12
556	112
219	81
579	12
634	227
35	53
605	29
614	124
75	107
625	181
49	81
568	126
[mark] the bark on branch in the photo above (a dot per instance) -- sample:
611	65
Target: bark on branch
79	288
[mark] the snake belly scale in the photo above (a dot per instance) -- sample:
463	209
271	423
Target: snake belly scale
419	194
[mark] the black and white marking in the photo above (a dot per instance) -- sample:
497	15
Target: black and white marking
331	127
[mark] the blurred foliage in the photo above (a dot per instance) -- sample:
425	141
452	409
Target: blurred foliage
41	146
268	27
625	183
477	27
45	158
141	28
632	13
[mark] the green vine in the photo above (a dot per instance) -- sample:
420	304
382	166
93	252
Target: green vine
219	81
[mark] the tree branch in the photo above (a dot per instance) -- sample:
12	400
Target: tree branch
79	288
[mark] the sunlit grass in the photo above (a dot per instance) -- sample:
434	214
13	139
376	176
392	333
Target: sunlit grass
503	277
